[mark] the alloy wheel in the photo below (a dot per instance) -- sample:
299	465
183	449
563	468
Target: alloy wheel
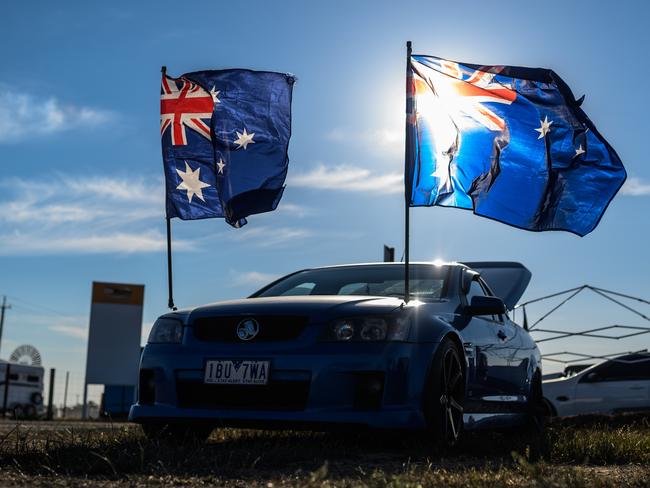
451	398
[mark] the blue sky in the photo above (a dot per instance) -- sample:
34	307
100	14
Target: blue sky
81	194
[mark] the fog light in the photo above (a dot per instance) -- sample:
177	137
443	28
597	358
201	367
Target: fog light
146	387
344	331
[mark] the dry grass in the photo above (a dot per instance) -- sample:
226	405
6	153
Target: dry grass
598	452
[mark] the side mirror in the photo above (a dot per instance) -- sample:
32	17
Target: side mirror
592	377
485	306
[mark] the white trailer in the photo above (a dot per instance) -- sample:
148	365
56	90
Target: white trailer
24	389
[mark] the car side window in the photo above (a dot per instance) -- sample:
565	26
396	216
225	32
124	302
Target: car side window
299	290
475	290
620	371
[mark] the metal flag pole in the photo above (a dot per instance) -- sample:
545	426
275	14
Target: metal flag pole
170	301
407	176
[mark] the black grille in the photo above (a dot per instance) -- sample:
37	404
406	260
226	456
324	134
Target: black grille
272	328
277	395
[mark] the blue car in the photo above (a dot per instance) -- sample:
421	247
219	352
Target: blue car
337	346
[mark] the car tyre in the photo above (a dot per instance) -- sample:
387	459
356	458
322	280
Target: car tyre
36	398
549	410
177	433
537	408
537	413
445	394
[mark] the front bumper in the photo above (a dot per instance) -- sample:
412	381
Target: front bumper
323	385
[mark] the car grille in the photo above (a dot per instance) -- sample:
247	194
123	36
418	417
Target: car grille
277	395
272	328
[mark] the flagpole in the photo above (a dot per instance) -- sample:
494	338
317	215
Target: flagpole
170	300
407	177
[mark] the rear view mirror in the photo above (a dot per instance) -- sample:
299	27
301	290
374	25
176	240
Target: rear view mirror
485	306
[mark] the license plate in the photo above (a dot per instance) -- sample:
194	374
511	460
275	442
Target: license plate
236	372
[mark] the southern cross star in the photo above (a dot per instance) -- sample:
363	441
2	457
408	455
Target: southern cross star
215	95
191	182
244	139
545	127
579	151
221	165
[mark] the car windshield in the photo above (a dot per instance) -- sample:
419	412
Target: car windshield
427	282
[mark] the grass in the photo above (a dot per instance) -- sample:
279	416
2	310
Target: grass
596	452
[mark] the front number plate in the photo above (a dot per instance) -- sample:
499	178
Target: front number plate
243	372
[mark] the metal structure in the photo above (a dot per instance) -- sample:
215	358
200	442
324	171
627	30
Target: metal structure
619	331
26	354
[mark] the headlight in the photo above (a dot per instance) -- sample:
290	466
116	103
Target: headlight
368	329
166	331
343	331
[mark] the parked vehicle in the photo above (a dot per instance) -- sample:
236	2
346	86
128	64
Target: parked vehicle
338	346
24	391
620	384
569	371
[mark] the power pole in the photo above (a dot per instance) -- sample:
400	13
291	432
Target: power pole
3	307
65	392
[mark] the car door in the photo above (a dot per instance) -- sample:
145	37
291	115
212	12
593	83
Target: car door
488	345
615	386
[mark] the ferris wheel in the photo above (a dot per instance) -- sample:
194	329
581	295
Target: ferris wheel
26	354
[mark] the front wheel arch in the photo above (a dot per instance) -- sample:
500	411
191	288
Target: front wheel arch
453	336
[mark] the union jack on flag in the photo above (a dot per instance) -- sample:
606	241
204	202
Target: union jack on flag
464	92
185	106
512	144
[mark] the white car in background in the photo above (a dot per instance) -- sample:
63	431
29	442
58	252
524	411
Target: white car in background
618	385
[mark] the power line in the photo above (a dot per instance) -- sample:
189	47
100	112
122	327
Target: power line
41	308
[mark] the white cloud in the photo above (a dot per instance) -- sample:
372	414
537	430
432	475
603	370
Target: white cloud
294	210
635	187
69	330
25	115
131	190
386	141
102	215
349	178
263	236
252	278
82	216
116	242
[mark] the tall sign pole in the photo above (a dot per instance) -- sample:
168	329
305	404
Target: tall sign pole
407	172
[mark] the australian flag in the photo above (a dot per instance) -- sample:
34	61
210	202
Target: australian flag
511	144
225	136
